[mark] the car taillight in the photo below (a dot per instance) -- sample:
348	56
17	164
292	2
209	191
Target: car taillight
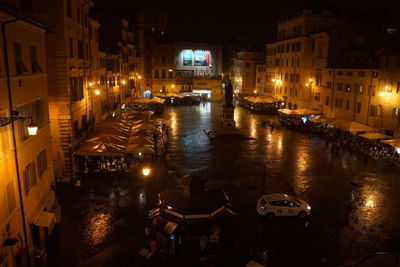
262	207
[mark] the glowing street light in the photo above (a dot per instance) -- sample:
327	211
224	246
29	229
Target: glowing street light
32	128
90	84
97	92
146	171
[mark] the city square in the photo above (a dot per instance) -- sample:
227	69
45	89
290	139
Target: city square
156	133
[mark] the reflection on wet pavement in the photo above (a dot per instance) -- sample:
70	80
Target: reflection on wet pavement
346	221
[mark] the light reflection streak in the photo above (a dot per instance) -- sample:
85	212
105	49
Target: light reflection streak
173	122
99	228
370	202
141	199
253	127
236	117
301	181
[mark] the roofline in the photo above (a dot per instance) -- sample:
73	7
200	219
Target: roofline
24	17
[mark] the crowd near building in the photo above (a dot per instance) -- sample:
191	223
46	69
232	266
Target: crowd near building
321	61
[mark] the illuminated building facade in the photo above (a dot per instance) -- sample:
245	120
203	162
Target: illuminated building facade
243	71
180	67
28	205
289	60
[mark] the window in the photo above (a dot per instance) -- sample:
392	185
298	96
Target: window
359	107
163	60
78	15
349	73
348	87
80	49
37	113
76	88
87	51
29	177
76	129
327	101
359	88
328	84
347	105
71	47
41	160
339	86
34	62
170	74
23	111
163	74
247	65
298	46
156	74
69	9
395	113
361	74
339	73
19	63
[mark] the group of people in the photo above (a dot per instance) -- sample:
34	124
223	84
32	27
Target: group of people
371	149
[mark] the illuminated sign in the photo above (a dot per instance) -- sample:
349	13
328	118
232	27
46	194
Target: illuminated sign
187	57
201	58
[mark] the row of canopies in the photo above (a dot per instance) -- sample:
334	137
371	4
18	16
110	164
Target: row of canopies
360	129
128	132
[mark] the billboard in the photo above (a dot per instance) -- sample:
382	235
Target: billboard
187	57
196	58
201	58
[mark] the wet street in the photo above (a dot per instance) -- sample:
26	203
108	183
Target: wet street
104	220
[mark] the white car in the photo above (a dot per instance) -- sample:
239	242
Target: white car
272	205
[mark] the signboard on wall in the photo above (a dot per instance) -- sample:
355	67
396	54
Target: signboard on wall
187	57
201	58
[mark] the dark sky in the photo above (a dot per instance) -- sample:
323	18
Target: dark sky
218	20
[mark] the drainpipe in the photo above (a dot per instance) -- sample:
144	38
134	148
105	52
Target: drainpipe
10	103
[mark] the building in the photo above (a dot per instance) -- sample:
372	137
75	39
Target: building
261	78
289	60
243	71
27	202
187	67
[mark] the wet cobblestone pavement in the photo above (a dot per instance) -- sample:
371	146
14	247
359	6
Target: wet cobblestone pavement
104	219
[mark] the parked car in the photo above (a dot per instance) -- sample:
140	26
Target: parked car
272	205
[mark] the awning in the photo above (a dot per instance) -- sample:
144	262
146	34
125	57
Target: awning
322	119
287	111
374	136
261	99
351	126
392	142
46	219
305	111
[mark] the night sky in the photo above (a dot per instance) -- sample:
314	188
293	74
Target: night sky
219	21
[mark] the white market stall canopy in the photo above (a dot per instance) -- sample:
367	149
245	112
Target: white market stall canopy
261	99
374	136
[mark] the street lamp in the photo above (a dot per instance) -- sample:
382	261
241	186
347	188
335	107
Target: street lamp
97	92
32	127
146	171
